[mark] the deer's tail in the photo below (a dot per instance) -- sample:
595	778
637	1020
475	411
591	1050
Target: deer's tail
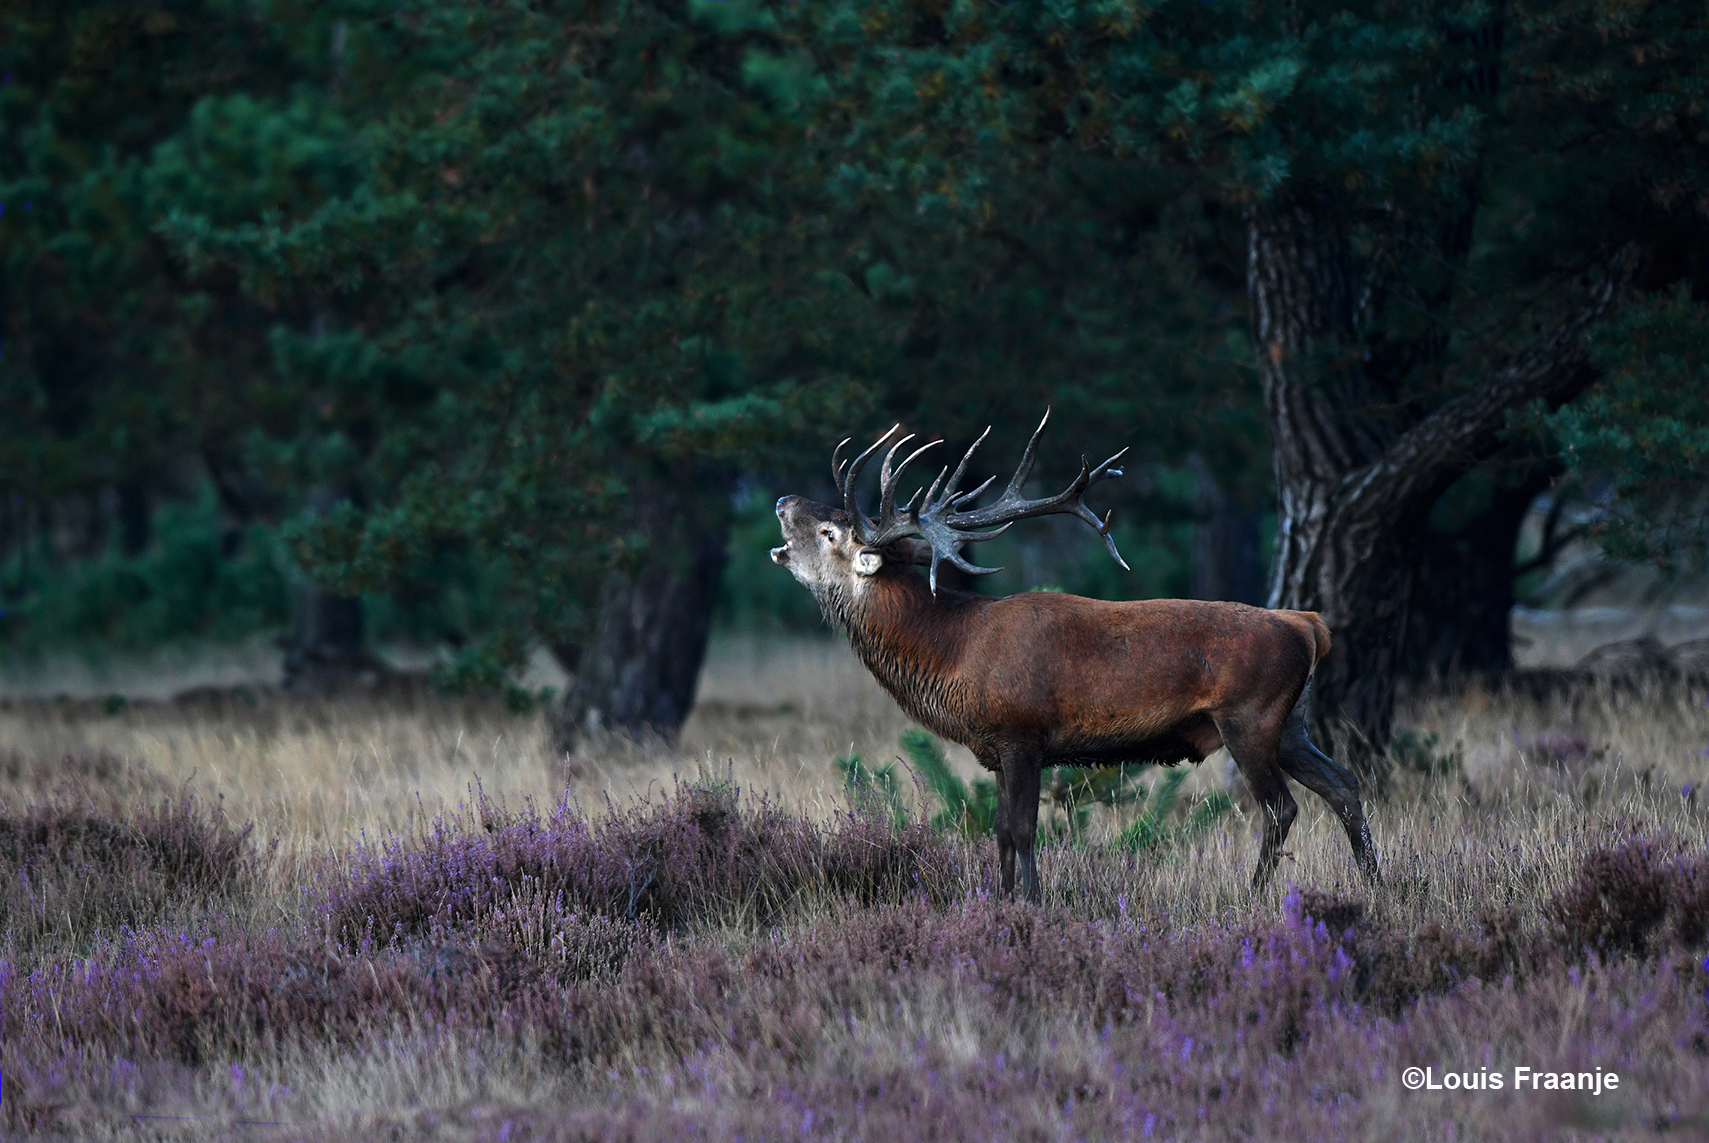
1311	625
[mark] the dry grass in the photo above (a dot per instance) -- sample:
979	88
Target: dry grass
1523	789
774	714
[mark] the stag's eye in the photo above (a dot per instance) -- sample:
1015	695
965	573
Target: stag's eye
826	532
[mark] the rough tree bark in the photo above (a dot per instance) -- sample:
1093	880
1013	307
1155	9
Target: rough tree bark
638	671
1355	479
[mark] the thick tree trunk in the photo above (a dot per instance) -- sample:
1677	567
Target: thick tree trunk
326	652
637	673
1356	480
1352	567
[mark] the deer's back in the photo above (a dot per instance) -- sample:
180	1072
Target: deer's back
1089	678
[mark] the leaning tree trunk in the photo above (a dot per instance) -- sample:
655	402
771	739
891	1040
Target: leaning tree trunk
637	672
1354	482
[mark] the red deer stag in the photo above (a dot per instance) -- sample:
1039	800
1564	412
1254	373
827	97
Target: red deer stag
1043	679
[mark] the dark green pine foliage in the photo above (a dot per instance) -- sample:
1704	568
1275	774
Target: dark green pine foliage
116	374
1036	270
1639	442
1630	116
559	283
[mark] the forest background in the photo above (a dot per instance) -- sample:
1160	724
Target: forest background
492	327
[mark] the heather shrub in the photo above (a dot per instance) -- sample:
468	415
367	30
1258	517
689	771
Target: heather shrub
696	856
70	872
902	1019
225	995
1618	900
1337	913
1690	903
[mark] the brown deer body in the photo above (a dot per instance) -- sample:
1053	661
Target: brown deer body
1046	679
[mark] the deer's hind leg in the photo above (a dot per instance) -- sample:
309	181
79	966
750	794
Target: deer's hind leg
1335	784
1253	742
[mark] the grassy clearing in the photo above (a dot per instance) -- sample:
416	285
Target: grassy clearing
396	917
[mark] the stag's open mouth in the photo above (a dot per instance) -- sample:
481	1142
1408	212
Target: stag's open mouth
780	556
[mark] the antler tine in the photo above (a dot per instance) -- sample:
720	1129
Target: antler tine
853	474
981	537
954	557
836	461
964	497
910	459
887	485
1025	468
950	493
933	490
916	454
1109	540
891	523
1104	470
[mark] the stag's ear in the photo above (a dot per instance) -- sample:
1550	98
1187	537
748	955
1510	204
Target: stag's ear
867	561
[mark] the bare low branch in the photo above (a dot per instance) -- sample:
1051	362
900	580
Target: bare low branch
1556	368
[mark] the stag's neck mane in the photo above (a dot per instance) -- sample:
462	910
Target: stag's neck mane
908	638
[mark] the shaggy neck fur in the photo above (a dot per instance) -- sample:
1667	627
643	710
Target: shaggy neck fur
900	632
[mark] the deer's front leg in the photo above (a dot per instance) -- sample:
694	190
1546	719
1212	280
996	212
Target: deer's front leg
1022	771
1005	844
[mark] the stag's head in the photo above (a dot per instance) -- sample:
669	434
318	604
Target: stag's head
836	551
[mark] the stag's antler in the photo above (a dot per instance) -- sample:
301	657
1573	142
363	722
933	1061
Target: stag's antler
939	521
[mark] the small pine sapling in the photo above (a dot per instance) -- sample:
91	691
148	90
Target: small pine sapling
971	812
1072	791
872	789
1152	829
